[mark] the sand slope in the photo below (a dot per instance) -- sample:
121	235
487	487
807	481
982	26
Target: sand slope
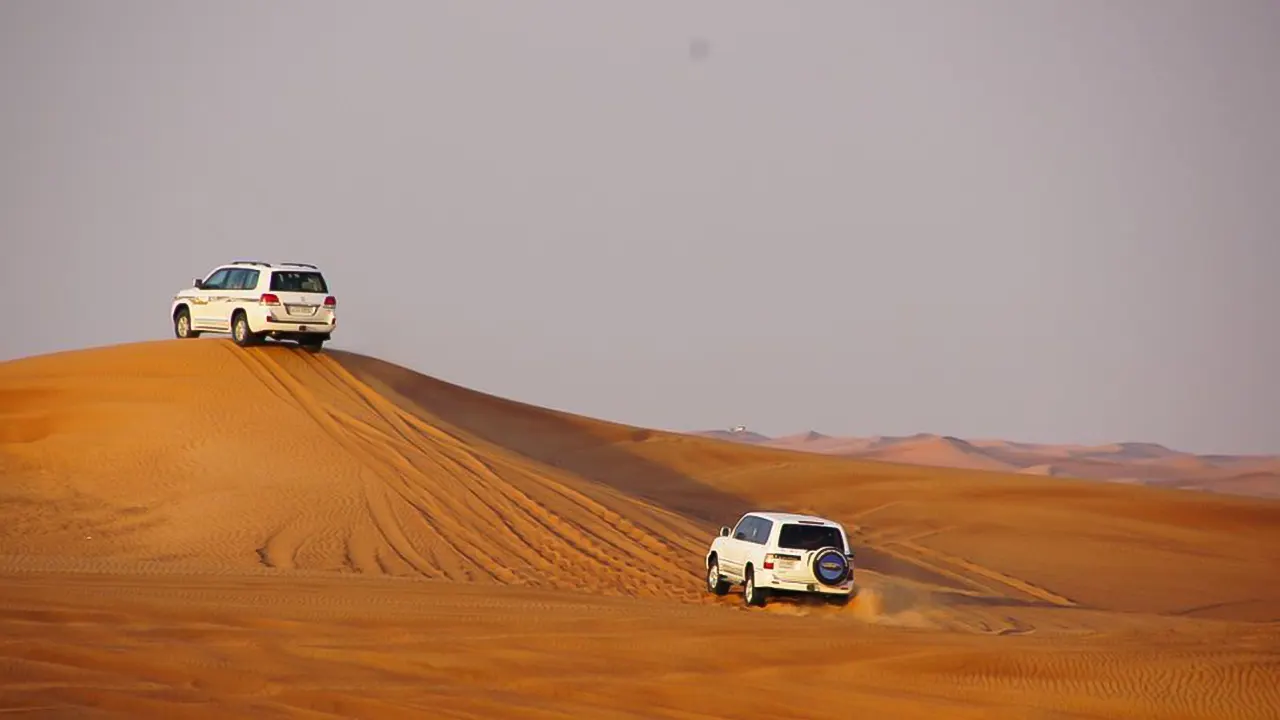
278	458
191	529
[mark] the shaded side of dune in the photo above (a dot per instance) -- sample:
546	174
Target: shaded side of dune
601	451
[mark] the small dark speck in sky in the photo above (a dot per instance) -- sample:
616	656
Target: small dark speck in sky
699	48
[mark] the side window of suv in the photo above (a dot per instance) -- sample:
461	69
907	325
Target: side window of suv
242	279
762	529
235	280
218	280
744	529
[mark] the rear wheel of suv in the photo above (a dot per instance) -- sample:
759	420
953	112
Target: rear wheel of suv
240	332
752	595
182	325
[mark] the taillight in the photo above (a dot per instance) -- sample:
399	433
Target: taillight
269	299
331	302
772	558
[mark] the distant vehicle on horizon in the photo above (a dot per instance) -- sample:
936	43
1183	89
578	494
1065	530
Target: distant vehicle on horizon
255	300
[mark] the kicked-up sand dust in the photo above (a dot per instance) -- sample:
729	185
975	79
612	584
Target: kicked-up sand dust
189	529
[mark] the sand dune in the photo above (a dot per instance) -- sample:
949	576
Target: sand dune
191	529
941	452
1142	463
280	459
817	442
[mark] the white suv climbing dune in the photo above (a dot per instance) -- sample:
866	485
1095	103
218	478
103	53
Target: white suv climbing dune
781	553
254	300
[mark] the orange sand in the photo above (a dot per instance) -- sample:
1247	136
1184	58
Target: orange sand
191	529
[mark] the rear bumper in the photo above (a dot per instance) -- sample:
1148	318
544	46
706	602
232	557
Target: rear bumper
773	583
274	321
295	328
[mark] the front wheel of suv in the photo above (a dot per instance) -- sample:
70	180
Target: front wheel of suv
716	584
182	325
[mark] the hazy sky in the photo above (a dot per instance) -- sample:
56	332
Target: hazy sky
1046	221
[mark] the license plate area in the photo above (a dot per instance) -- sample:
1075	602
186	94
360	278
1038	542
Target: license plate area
301	310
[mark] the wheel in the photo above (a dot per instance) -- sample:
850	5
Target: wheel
240	332
839	600
182	325
716	584
752	595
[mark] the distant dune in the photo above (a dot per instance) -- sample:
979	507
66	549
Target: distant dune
937	451
189	529
1130	462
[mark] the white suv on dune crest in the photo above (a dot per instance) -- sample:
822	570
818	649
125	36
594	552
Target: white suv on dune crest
254	300
781	553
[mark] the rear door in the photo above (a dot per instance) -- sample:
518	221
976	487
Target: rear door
302	293
239	292
797	543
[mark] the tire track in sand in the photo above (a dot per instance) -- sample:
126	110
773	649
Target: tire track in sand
503	500
449	511
377	506
385	515
906	547
411	428
1016	583
665	535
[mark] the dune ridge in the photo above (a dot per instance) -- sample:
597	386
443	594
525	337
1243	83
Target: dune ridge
192	529
1126	462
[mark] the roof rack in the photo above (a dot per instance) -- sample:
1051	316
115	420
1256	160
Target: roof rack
307	265
251	262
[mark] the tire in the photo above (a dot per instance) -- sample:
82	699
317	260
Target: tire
182	325
716	584
240	332
752	595
830	567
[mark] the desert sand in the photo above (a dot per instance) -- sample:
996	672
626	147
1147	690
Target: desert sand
1130	462
189	529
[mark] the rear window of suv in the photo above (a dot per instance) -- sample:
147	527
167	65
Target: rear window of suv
298	281
809	537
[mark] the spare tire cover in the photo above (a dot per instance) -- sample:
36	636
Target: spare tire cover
830	566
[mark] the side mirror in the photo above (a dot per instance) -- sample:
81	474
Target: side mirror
198	283
724	532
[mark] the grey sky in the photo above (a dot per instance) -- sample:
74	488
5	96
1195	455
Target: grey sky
1053	221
